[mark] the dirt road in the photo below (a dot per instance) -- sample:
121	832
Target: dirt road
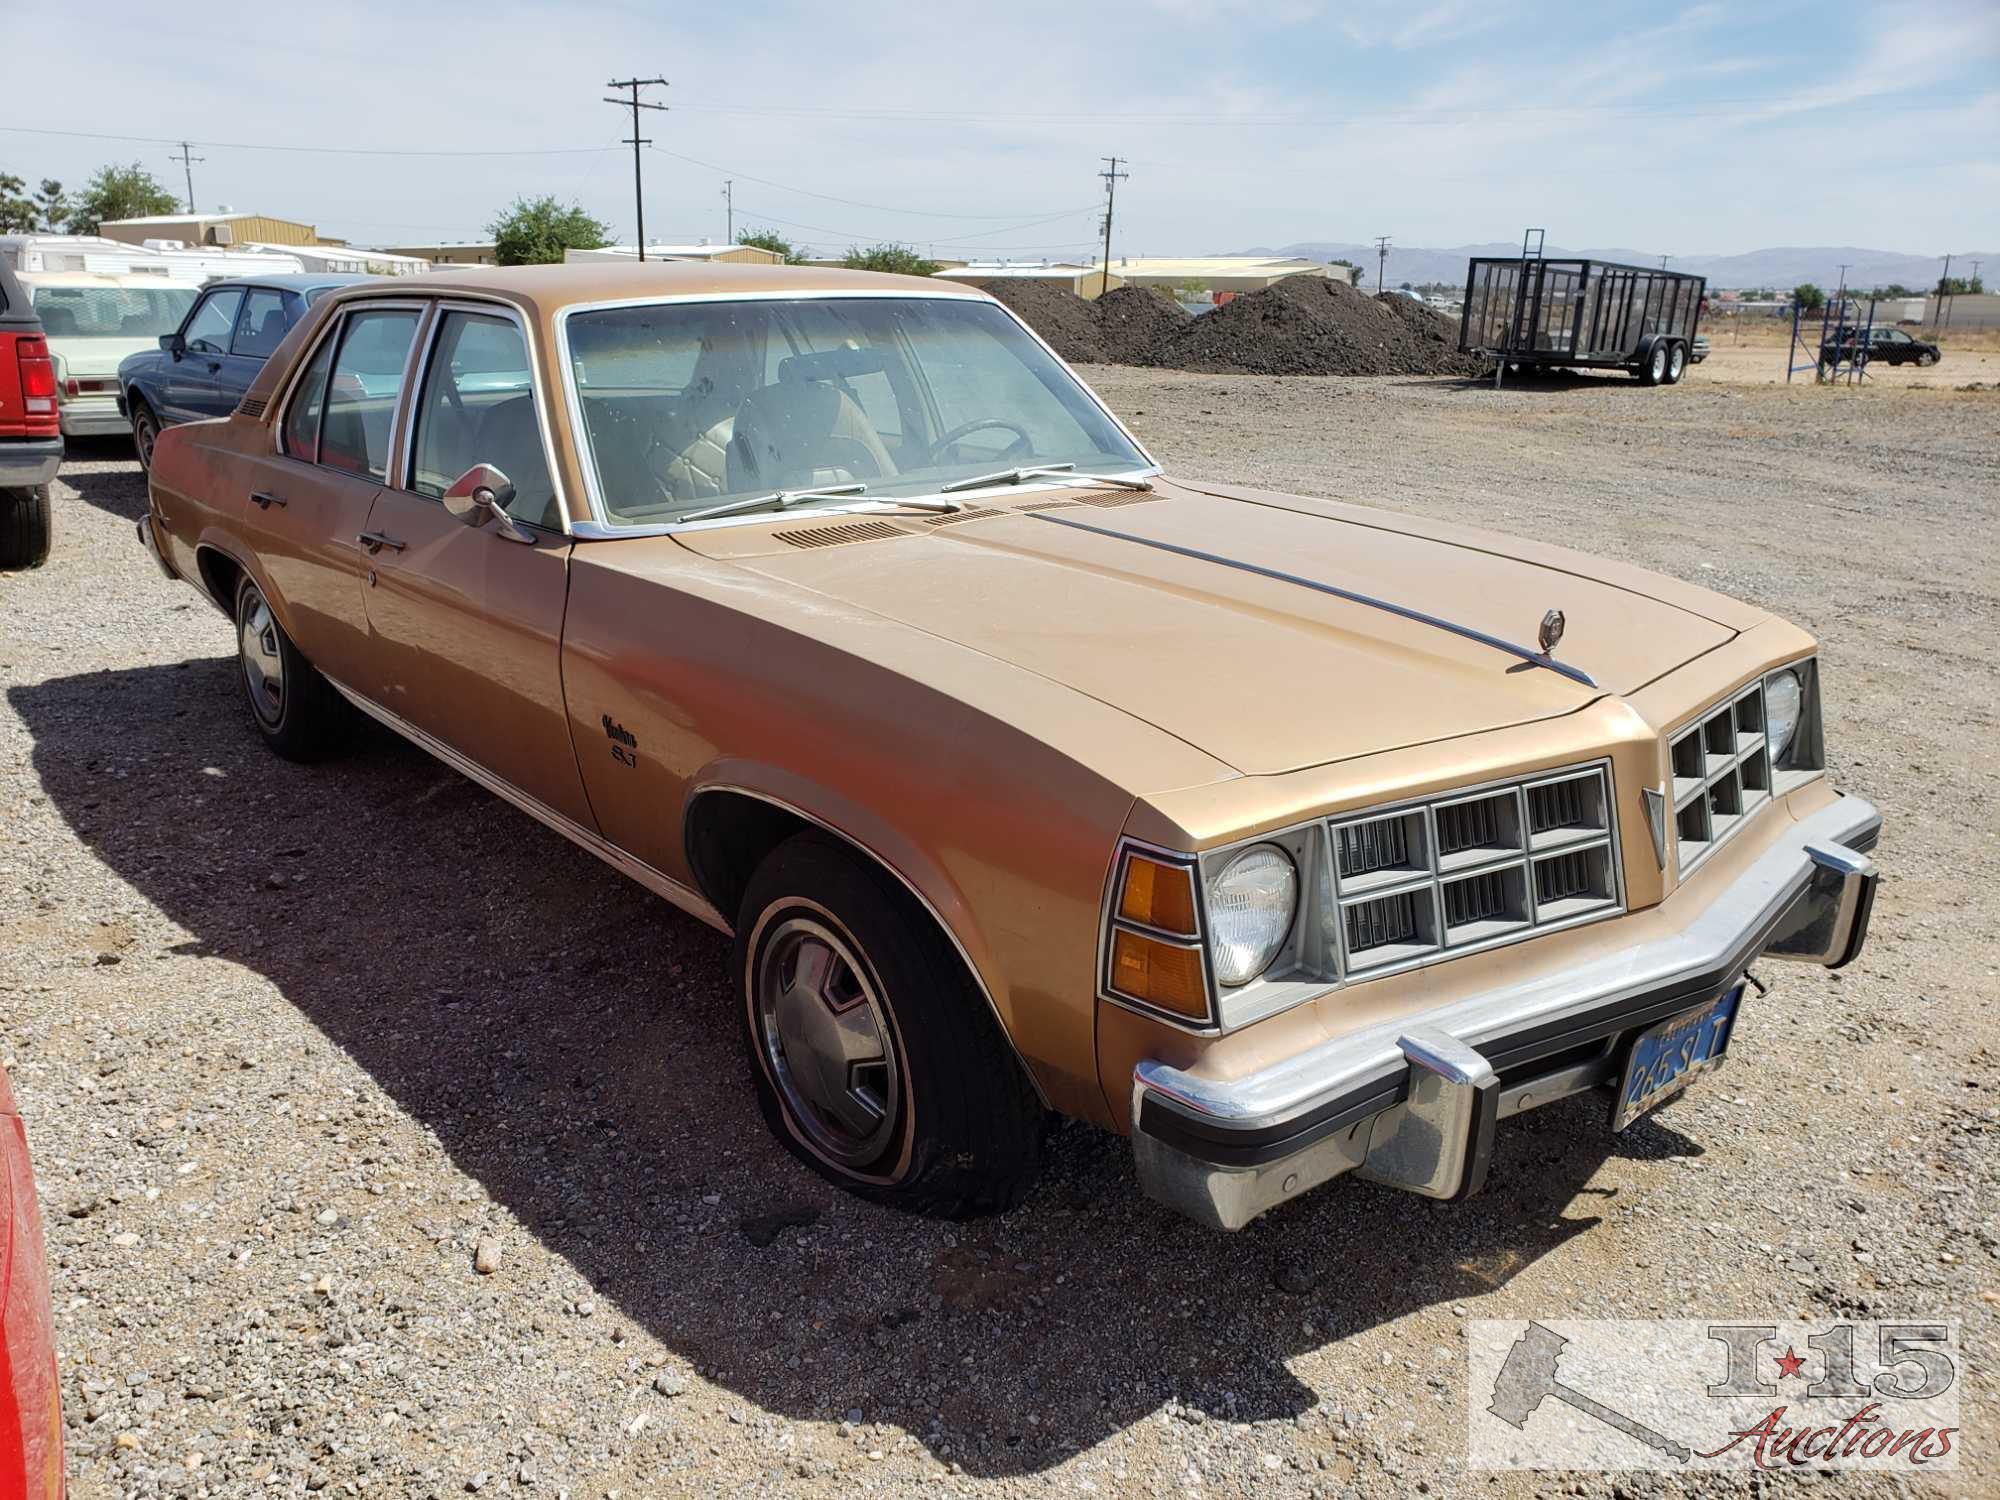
294	1043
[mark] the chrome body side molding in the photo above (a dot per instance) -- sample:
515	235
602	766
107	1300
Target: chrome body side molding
688	900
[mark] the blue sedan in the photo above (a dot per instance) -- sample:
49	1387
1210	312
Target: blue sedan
203	368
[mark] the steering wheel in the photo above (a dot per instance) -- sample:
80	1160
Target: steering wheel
1022	447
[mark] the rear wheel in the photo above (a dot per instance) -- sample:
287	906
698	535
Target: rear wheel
876	1060
1654	370
1677	360
145	432
295	709
27	526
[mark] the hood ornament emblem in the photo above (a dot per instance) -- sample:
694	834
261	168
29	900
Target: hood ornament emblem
1551	633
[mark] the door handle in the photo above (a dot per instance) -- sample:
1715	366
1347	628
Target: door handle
374	541
264	499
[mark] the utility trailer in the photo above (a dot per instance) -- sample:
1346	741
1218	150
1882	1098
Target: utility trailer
1534	314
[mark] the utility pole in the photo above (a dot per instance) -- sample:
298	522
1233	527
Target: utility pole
635	104
1840	295
187	163
1112	177
1937	314
1663	261
729	207
1381	260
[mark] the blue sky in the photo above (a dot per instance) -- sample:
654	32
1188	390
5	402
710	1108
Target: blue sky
1706	128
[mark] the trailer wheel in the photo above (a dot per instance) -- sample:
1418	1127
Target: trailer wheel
1676	363
1654	370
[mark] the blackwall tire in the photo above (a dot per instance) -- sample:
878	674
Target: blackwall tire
295	709
145	433
27	527
1676	364
876	1060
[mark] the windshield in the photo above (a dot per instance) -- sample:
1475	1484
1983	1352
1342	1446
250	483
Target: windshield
688	406
111	312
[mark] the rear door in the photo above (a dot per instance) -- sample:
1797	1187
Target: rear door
191	385
466	621
261	325
308	500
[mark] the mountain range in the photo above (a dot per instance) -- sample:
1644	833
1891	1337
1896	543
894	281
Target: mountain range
1783	268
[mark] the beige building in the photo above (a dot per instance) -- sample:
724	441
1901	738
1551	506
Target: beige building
212	229
1085	281
450	252
1218	273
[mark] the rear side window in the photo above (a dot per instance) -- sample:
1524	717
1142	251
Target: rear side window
263	325
361	393
302	416
209	330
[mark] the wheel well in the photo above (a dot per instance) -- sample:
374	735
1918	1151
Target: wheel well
219	575
134	397
728	836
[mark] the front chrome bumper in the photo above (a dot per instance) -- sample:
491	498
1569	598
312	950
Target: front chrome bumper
1414	1103
152	543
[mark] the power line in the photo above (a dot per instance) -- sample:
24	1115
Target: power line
1112	176
161	140
633	85
916	213
856	236
187	163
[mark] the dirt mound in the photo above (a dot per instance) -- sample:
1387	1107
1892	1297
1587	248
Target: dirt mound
1067	321
1313	325
1134	324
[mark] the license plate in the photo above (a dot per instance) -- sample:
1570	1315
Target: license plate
1667	1057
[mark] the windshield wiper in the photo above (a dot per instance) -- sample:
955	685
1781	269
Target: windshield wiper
1043	471
776	500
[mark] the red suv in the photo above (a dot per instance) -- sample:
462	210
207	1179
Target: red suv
31	447
31	1455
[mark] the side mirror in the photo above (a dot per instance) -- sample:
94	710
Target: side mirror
174	344
481	494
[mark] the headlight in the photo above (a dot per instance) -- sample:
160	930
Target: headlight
1251	902
1783	700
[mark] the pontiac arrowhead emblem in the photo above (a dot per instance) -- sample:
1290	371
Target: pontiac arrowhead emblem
1552	631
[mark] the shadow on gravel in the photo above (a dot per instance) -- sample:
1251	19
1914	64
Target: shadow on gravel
570	1041
121	491
1530	384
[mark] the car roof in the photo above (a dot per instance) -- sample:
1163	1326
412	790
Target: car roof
548	289
295	281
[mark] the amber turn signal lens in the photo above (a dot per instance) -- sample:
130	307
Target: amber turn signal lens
1158	895
1158	973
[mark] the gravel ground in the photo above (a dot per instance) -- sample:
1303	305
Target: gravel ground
388	1145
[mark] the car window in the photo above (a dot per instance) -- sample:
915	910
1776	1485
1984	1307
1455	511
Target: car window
263	324
111	312
301	432
209	329
361	393
478	407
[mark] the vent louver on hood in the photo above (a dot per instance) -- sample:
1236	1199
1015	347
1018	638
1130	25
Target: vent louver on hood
840	534
251	406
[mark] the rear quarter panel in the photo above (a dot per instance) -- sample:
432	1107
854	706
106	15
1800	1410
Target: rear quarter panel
31	1462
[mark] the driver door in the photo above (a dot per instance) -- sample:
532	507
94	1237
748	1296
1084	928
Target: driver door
466	619
192	387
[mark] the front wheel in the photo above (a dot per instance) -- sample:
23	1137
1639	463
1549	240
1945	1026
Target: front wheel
877	1061
294	708
27	527
1654	370
1927	358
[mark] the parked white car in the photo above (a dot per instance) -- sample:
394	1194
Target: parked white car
92	320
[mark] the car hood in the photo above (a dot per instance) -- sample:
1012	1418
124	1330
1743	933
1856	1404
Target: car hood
1270	632
96	358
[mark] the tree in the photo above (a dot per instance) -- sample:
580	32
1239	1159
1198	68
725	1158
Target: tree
1808	297
54	205
118	193
1960	286
897	260
18	213
536	231
777	244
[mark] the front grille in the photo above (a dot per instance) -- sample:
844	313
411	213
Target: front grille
1467	870
1722	770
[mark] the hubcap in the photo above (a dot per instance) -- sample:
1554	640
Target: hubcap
826	1039
263	664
